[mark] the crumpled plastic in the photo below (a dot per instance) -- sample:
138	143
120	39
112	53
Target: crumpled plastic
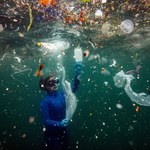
123	80
70	98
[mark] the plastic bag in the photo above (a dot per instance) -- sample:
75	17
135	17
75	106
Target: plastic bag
121	79
78	54
70	98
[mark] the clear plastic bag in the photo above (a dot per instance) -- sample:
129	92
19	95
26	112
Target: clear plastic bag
123	80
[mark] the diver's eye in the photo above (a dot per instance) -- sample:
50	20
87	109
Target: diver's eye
51	82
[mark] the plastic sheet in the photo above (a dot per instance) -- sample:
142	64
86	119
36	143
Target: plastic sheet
78	54
71	100
31	18
123	80
1	28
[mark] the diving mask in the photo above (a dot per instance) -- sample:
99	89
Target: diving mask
49	84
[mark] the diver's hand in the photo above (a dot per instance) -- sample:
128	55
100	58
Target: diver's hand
64	122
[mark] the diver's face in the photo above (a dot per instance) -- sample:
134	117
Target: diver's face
52	85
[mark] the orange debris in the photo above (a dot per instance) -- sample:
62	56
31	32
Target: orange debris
137	108
48	2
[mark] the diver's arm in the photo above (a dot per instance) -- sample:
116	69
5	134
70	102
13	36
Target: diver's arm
46	118
77	76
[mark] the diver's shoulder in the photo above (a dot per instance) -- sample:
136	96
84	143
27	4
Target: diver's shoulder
46	99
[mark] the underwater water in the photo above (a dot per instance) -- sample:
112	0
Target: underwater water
105	117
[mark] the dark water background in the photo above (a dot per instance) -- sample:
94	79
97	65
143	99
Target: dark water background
97	123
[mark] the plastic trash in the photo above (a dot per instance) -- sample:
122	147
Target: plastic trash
103	60
123	80
86	53
20	34
127	26
98	13
104	71
78	54
134	71
31	18
119	106
70	98
91	57
1	28
120	79
104	1
141	98
106	83
47	45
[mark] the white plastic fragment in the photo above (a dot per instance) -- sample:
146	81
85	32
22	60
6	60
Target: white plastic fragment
123	80
18	59
104	1
1	28
98	13
119	106
106	83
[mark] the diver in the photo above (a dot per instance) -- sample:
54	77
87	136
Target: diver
53	110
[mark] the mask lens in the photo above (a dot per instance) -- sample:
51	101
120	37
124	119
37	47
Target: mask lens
53	81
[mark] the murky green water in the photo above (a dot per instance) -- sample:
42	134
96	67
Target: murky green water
97	122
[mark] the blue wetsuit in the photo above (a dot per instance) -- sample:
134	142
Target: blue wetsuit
53	109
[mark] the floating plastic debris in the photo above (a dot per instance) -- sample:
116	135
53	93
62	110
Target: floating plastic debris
113	64
17	29
104	71
119	106
106	83
71	100
127	26
1	28
39	72
18	59
20	34
123	80
78	54
31	119
91	57
97	56
77	33
84	1
86	53
47	3
137	108
7	89
91	44
98	13
31	18
134	71
3	56
120	79
103	60
47	45
104	1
